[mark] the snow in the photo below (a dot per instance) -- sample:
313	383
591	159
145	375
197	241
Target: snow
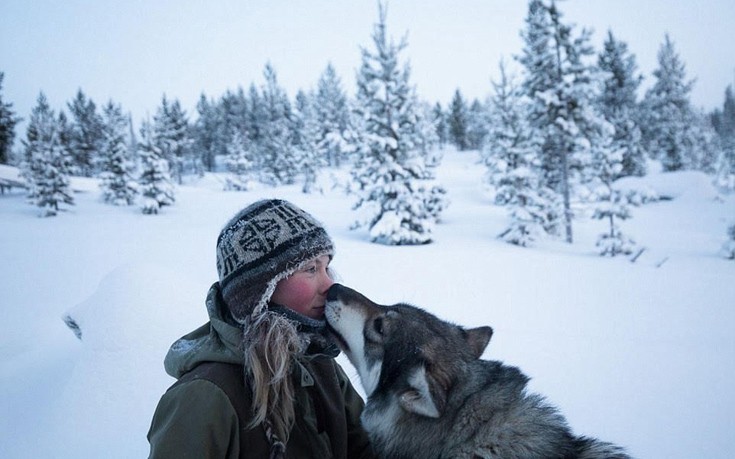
641	353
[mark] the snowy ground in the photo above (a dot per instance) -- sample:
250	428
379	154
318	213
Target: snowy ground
631	352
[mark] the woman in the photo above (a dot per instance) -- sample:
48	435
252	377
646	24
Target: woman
259	380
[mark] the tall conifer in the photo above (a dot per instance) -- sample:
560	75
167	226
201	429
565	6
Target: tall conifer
118	183
668	130
47	163
399	201
8	120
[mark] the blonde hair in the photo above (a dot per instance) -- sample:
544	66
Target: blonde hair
270	342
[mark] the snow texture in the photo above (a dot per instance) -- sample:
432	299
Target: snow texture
639	353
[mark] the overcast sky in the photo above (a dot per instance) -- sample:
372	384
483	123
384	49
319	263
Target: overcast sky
134	51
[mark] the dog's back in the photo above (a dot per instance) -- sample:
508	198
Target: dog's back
509	422
430	395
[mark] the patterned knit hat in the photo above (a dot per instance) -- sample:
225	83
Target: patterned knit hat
264	243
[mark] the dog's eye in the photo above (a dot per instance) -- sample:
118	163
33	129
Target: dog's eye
378	325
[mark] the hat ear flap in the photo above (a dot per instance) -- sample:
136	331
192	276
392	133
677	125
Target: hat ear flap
424	397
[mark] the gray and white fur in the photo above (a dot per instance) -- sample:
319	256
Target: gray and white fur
431	396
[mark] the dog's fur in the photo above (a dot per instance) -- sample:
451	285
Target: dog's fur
430	395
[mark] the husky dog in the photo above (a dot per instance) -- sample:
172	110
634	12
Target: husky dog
430	395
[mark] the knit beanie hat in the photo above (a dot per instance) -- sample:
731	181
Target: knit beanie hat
264	243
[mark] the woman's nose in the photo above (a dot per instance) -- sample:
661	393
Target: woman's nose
326	281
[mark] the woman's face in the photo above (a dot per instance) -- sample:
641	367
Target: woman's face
305	291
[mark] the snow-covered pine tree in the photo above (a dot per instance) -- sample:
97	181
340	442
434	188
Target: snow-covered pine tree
117	177
562	86
541	78
234	116
458	121
724	124
240	163
618	103
47	164
275	147
399	201
332	112
172	137
439	119
208	132
132	140
513	165
310	157
86	136
610	204
8	120
707	150
65	130
155	185
668	130
728	249
256	115
428	138
476	125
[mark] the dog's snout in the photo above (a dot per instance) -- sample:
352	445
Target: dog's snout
335	292
339	294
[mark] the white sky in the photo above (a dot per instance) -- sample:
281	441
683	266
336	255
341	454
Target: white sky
134	51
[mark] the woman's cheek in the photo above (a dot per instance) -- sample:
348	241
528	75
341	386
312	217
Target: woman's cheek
297	294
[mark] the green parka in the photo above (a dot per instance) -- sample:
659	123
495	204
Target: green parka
205	413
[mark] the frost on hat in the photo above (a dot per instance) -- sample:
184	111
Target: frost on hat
264	243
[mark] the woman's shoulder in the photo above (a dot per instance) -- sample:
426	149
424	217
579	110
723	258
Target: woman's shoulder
186	413
227	377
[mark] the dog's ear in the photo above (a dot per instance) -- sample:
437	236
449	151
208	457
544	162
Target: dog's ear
423	397
477	339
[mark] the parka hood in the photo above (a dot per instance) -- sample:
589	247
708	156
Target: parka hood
220	340
216	341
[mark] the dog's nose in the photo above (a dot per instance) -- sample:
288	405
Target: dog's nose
334	292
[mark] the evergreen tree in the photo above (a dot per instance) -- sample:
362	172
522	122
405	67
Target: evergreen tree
47	164
132	141
618	103
669	128
611	204
310	157
117	178
513	166
562	86
275	146
86	136
332	113
172	136
209	132
66	133
154	182
707	149
400	202
727	125
8	120
724	125
728	249
256	115
233	114
458	121
442	127
476	125
240	163
428	144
